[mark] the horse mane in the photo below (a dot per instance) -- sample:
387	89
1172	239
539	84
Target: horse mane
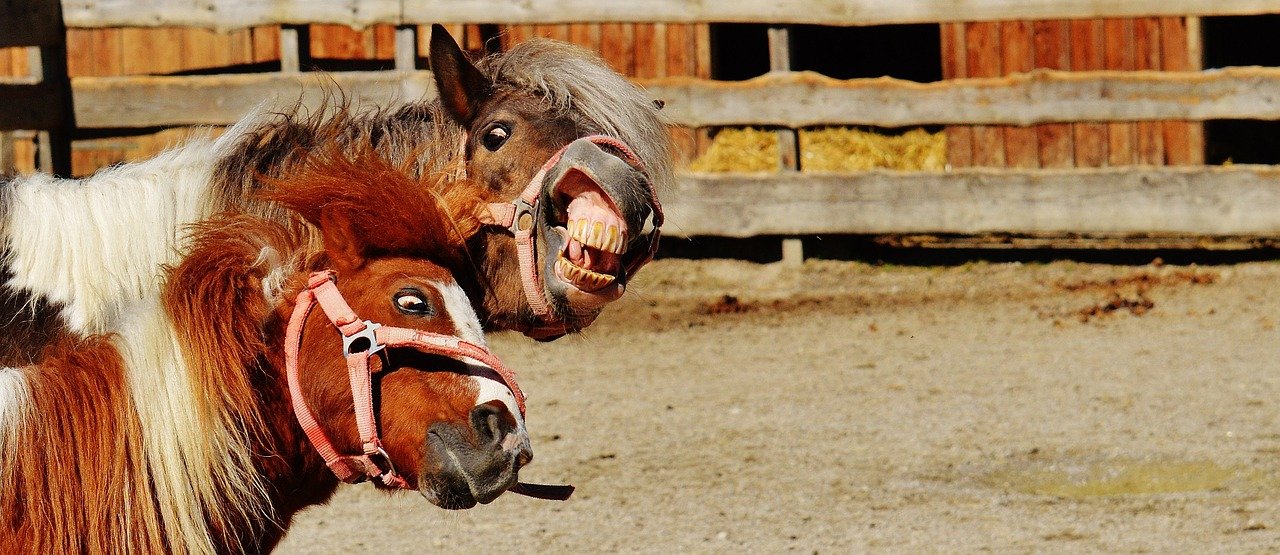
80	468
388	209
422	141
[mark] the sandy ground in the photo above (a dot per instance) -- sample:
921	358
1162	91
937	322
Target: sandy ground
836	407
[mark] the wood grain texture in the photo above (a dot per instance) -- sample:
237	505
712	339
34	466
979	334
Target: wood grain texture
1087	54
1119	55
955	66
109	102
1053	51
1211	201
983	60
804	99
362	13
1017	55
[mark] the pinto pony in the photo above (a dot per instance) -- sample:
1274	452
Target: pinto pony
178	433
564	153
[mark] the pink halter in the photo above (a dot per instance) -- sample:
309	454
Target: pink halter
361	340
518	215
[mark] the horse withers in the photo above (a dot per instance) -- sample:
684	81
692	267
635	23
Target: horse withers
558	155
231	403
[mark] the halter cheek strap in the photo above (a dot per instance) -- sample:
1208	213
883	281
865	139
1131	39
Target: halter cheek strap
517	217
362	340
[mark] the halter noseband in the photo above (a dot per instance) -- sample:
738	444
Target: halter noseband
518	217
362	340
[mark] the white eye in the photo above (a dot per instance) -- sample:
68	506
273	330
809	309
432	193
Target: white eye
495	137
412	301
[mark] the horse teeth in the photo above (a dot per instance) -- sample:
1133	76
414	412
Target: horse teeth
598	235
583	278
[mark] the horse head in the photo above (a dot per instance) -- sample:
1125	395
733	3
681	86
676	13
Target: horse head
567	153
450	416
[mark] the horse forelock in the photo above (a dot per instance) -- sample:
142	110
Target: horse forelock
576	82
385	208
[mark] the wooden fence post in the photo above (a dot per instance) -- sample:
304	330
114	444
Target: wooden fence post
788	139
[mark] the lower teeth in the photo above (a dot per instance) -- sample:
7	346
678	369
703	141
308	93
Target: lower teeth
583	278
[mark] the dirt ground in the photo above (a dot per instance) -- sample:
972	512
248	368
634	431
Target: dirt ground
841	407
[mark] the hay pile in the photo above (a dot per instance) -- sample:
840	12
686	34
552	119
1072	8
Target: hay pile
831	149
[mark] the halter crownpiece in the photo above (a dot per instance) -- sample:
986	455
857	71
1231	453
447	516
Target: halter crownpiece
361	340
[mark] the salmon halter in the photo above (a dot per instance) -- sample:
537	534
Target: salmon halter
362	340
518	218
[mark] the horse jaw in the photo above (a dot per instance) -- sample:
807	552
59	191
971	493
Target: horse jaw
593	207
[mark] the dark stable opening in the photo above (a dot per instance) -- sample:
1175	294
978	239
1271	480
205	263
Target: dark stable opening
912	52
1241	41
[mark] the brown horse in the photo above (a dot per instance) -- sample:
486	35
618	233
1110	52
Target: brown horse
564	216
178	433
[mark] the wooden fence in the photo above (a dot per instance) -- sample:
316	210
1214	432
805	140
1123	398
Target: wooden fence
1126	200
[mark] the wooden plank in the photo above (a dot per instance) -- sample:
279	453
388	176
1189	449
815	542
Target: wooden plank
384	42
339	42
586	35
1053	51
1180	148
291	54
151	51
955	66
1210	201
266	43
780	61
81	60
244	13
1089	140
1119	55
647	62
983	60
1017	55
681	51
1150	134
617	47
802	99
406	52
110	102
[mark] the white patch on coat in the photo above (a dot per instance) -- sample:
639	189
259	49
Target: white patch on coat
97	244
466	325
15	398
193	456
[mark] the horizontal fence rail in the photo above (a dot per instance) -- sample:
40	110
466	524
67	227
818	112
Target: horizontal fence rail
785	100
359	13
1041	96
111	102
1218	201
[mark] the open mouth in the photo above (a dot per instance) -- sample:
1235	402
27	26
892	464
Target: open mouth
595	236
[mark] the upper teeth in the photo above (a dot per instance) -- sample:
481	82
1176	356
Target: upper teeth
598	235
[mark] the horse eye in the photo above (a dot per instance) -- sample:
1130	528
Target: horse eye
412	302
495	137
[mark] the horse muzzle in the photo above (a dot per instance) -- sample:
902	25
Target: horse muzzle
473	463
594	204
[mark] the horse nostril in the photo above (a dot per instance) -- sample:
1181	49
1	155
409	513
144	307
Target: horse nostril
491	423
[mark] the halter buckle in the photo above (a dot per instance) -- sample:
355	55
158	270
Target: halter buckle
523	218
364	341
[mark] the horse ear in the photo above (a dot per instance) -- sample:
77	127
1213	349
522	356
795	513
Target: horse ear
341	241
461	86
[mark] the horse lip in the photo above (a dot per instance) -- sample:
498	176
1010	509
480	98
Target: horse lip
453	486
